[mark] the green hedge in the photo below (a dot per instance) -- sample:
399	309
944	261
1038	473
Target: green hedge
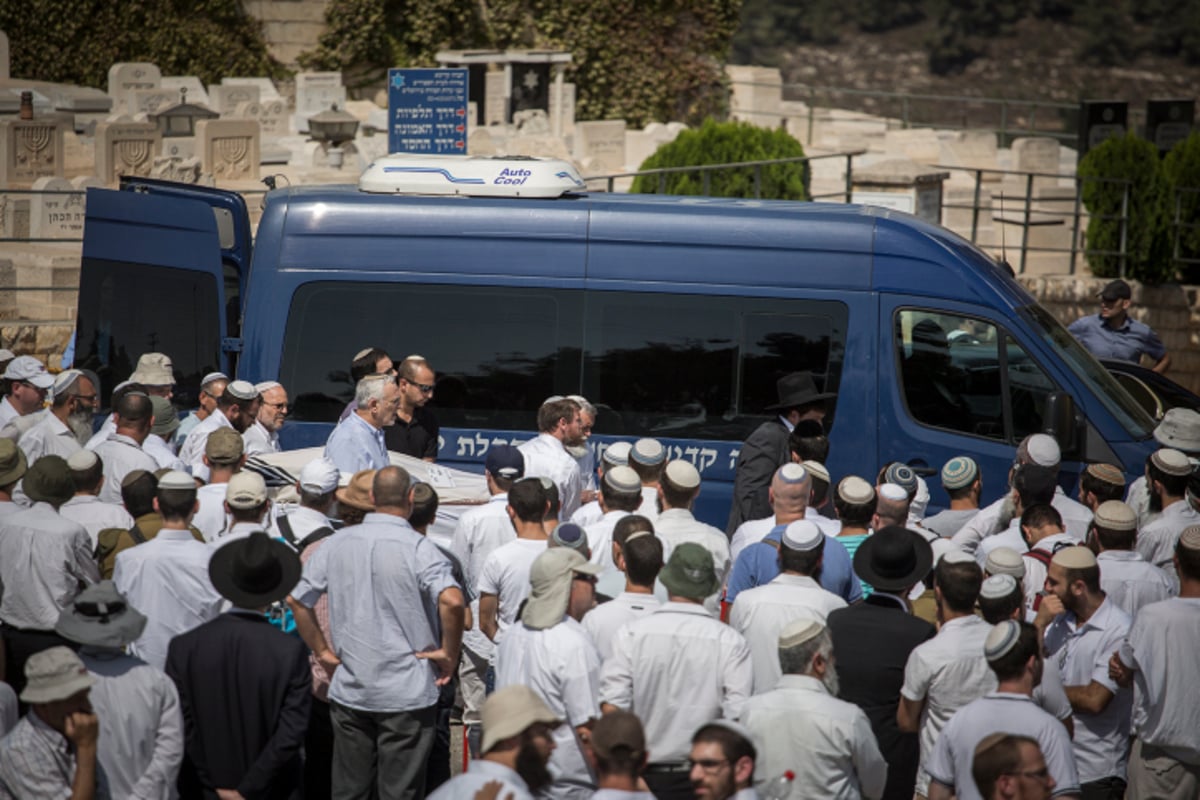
1181	169
724	143
76	41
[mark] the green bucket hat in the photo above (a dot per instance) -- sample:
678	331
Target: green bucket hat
12	462
166	421
690	573
49	481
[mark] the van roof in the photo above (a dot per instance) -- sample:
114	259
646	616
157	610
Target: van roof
691	240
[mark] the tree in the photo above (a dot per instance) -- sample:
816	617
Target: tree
76	41
1123	175
1181	169
641	60
725	143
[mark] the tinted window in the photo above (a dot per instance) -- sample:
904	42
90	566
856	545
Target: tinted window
960	373
129	309
498	353
654	364
701	366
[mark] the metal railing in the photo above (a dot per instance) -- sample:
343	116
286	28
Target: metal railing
706	171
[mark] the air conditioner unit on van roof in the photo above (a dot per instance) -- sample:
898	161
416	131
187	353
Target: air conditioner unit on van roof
471	176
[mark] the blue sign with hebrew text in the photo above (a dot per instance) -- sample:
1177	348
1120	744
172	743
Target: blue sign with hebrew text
427	111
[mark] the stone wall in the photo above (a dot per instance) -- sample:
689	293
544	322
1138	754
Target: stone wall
289	26
1171	310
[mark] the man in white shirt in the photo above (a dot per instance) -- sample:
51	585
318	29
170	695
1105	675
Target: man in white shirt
246	505
1040	450
949	671
1099	483
1178	429
1159	656
224	457
304	524
45	559
648	458
479	532
1043	530
86	508
141	724
1013	654
518	738
1087	630
638	554
675	524
159	445
212	386
122	451
678	668
504	580
620	494
1031	486
1167	473
12	469
791	487
168	575
28	383
1127	579
237	408
549	652
801	726
614	455
618	756
761	613
263	436
581	452
68	424
546	455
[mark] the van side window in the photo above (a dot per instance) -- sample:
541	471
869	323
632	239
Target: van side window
701	366
498	353
966	375
132	309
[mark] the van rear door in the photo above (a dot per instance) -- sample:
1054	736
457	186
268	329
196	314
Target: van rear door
163	265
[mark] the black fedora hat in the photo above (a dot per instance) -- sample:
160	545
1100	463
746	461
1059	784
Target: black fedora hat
893	558
797	389
254	571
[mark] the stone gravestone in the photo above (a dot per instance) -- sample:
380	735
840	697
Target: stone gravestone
226	99
195	89
151	101
56	213
229	148
602	143
1037	154
495	98
125	148
31	149
4	56
316	92
266	89
14	216
568	108
270	115
127	76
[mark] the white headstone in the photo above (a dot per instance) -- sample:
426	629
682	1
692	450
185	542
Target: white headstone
57	210
316	92
568	108
125	148
195	89
602	142
225	98
152	101
127	76
266	89
495	98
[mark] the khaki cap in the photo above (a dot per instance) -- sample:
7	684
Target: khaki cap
509	711
246	490
224	446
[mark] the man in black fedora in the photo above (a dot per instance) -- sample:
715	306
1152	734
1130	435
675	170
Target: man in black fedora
766	450
873	640
244	686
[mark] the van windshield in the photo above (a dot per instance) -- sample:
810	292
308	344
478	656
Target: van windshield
1120	403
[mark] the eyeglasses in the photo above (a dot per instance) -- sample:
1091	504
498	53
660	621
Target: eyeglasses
87	398
426	388
709	765
281	406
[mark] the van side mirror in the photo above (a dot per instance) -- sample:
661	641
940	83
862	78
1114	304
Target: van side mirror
1059	420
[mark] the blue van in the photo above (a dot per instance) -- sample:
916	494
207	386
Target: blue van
674	315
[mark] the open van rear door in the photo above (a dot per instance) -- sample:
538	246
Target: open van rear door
163	269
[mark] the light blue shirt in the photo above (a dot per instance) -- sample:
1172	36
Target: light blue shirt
758	564
383	580
185	427
1127	342
356	445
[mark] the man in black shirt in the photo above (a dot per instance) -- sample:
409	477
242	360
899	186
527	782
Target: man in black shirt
416	430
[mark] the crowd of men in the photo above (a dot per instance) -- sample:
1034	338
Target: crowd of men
171	631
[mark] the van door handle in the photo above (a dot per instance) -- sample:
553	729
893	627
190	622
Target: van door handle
919	466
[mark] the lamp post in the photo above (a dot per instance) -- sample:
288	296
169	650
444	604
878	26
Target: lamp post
332	129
